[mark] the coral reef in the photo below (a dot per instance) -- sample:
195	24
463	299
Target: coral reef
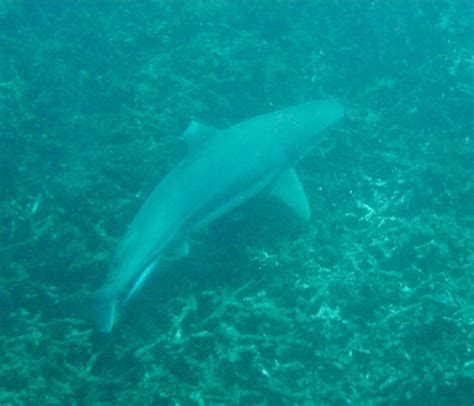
370	303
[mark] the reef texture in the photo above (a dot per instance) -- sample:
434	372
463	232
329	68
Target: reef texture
370	303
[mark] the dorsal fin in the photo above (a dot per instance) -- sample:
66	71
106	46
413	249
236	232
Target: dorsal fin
197	134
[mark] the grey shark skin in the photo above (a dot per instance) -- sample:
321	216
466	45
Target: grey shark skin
222	170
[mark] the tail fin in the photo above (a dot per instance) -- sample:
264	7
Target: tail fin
103	307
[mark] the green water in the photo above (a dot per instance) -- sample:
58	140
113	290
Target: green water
371	303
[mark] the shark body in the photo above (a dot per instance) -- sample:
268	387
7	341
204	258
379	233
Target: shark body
222	170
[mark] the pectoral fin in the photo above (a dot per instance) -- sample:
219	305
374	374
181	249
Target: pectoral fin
288	188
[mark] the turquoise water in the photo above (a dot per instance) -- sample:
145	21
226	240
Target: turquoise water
369	303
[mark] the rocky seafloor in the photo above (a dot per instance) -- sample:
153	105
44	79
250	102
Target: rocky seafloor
370	303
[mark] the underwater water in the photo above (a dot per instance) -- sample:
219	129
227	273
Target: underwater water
370	303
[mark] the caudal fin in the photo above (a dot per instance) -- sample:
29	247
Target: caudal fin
102	310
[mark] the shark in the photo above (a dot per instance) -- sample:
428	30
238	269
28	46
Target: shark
222	170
